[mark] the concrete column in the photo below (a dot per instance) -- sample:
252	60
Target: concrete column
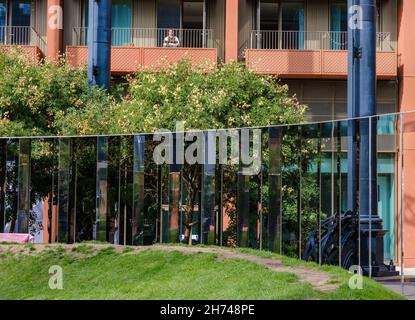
231	31
54	29
406	65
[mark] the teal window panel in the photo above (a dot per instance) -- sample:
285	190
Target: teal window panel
121	22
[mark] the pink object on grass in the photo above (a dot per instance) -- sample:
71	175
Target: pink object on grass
16	237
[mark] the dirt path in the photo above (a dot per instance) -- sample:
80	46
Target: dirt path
320	280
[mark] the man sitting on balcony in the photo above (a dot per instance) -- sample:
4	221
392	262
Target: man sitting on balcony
171	40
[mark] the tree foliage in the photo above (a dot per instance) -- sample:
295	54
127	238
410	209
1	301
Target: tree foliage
227	97
33	95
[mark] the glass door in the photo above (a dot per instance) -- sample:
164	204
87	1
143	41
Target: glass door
20	21
292	25
267	38
192	24
281	24
19	31
2	20
338	26
169	16
121	22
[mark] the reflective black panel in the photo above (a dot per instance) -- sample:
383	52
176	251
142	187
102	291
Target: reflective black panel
44	160
23	185
208	191
242	207
83	201
3	161
100	231
64	174
275	196
138	191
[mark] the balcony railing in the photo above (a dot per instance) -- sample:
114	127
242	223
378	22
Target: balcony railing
311	40
15	35
150	37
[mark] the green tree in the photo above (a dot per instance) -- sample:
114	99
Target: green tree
229	96
33	94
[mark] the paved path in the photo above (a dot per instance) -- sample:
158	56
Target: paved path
408	289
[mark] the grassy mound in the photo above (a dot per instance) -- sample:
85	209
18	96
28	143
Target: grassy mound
91	272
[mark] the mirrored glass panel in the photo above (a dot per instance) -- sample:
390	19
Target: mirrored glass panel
64	176
100	227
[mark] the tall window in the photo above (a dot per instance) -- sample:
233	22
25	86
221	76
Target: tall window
192	14
2	20
286	17
338	25
269	14
15	21
20	13
168	14
192	24
121	22
293	25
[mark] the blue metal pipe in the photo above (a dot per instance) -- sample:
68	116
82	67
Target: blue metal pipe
353	40
367	107
362	103
99	43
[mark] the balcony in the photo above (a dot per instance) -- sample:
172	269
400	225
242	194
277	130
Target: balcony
136	48
312	54
26	38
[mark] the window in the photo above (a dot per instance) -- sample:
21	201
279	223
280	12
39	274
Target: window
15	29
20	13
168	17
193	14
192	24
282	24
338	25
168	14
293	24
269	15
2	20
2	13
121	22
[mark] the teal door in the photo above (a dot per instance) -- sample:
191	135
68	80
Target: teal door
387	212
121	22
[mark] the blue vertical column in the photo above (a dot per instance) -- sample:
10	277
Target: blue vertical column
99	43
100	227
367	106
353	102
208	190
138	190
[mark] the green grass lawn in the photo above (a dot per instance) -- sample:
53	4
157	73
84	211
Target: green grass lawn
157	274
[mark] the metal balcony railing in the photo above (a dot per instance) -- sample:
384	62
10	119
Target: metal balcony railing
15	35
150	37
310	40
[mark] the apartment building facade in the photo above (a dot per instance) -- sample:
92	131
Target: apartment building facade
303	42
